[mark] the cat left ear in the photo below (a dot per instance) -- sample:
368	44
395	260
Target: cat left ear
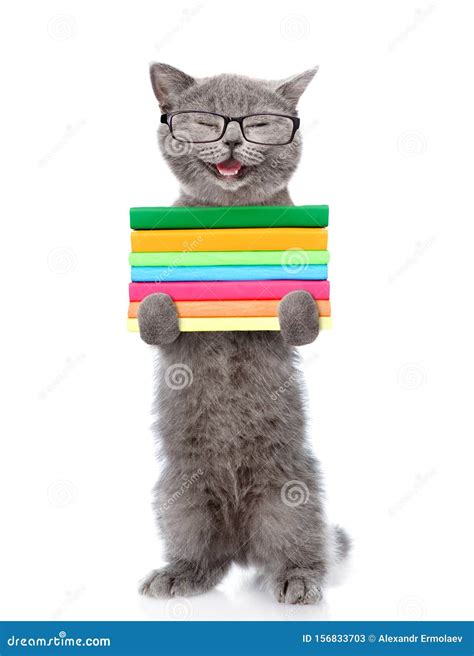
292	88
168	82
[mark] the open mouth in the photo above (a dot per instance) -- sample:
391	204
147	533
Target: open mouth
229	169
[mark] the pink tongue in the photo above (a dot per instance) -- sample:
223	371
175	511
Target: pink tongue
229	167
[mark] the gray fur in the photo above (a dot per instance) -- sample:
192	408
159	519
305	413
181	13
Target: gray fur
239	482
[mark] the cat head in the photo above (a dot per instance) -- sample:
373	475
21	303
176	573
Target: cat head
232	170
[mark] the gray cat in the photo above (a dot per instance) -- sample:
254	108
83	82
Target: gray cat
239	482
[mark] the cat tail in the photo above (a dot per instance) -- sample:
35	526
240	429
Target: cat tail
342	543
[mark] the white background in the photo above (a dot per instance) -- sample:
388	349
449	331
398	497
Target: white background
389	143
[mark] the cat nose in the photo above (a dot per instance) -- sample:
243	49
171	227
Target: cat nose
233	135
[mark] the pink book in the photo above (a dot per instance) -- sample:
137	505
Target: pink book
229	290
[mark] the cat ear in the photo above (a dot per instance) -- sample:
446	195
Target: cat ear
292	88
168	82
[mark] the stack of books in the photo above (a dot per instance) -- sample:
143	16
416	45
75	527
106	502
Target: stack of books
227	268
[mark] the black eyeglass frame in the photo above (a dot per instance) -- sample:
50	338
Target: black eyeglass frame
167	119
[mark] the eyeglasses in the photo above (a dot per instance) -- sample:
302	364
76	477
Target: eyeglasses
205	127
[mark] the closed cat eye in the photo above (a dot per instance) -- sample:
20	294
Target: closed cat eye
205	127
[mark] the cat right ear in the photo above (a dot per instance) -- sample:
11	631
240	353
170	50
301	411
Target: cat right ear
168	83
293	87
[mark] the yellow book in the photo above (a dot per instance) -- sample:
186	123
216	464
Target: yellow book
218	324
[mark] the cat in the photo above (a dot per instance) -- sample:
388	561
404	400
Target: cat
239	482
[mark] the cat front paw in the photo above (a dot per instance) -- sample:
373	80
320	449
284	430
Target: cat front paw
299	318
158	320
177	582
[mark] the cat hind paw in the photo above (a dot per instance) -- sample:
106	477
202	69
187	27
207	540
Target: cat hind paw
299	590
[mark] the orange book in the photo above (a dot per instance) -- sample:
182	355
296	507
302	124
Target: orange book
267	308
229	239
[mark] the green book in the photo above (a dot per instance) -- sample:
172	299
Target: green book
292	257
249	216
